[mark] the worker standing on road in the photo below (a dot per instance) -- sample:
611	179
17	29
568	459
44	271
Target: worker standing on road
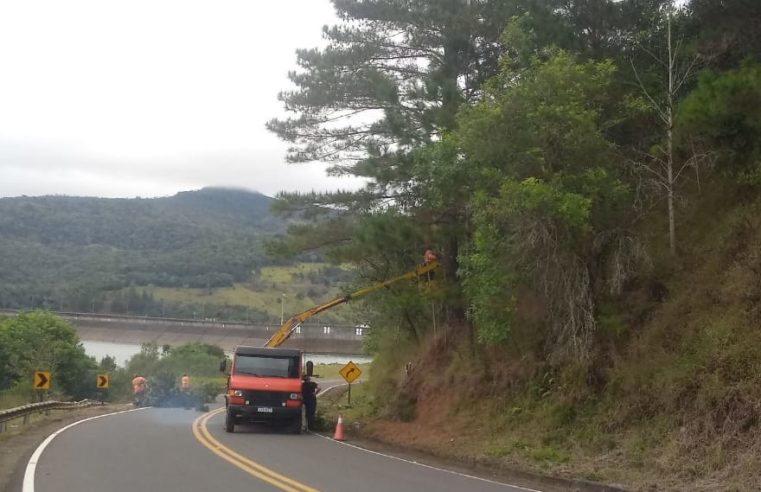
138	390
309	391
185	389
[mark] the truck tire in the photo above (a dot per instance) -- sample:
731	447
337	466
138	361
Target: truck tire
229	422
297	426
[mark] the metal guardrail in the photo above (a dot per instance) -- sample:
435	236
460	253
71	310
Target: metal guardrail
26	410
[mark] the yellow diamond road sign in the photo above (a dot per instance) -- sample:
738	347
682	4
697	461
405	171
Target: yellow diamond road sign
42	380
350	372
103	381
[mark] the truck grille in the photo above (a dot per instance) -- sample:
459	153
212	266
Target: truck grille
265	398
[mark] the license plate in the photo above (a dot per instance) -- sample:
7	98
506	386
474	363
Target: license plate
264	410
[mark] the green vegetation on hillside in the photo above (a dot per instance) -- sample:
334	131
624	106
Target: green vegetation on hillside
196	254
588	173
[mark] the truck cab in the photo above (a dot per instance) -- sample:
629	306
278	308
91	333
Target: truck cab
264	385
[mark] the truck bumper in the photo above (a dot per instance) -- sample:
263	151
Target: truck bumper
255	413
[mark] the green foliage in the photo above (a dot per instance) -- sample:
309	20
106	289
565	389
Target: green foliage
38	341
727	31
163	369
388	56
82	254
549	189
195	359
489	285
723	114
541	122
501	260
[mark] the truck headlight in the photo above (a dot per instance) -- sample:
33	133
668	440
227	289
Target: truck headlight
237	392
295	396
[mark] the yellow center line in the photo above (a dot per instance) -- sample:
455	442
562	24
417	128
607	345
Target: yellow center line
201	432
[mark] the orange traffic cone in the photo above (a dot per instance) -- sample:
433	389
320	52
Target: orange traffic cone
339	435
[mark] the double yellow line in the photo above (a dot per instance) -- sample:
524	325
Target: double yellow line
263	473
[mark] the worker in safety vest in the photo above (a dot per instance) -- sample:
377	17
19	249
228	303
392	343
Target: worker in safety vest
138	390
185	388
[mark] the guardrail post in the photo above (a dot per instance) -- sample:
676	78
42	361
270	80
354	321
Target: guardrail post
26	418
2	427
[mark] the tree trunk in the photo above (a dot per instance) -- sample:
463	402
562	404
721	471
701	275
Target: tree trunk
670	145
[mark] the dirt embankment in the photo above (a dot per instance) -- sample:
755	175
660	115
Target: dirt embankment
669	400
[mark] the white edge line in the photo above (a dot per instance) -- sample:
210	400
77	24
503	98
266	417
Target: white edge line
31	466
425	466
337	385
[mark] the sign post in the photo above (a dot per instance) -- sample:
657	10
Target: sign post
102	383
42	383
350	372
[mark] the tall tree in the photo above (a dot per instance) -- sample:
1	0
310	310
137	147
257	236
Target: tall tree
391	77
389	82
677	68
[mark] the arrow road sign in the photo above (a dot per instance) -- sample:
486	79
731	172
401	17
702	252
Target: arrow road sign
103	381
42	380
350	372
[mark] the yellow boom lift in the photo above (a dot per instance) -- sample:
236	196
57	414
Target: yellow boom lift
282	334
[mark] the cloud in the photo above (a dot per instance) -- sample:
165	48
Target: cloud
34	169
150	97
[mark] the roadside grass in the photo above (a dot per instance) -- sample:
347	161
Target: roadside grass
329	406
22	395
289	274
11	399
363	407
296	297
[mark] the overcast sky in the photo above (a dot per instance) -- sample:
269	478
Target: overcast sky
148	98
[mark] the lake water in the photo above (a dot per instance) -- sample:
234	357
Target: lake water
122	352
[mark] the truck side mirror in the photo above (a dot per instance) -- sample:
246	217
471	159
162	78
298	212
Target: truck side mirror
223	365
310	368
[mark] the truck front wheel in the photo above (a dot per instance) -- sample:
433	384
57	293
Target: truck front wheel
229	422
299	423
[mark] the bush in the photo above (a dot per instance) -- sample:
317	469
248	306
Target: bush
40	341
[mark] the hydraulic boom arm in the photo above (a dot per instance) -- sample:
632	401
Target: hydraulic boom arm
282	334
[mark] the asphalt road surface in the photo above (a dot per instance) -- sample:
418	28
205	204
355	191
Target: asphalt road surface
176	450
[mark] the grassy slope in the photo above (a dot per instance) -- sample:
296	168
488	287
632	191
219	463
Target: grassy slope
264	294
672	401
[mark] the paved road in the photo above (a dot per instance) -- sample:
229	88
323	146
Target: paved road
162	449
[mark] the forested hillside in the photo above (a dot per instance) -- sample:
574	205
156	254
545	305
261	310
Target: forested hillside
112	255
589	175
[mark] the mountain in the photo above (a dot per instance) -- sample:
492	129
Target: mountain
74	251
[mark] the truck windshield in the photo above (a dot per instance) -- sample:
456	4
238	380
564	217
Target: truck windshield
273	367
